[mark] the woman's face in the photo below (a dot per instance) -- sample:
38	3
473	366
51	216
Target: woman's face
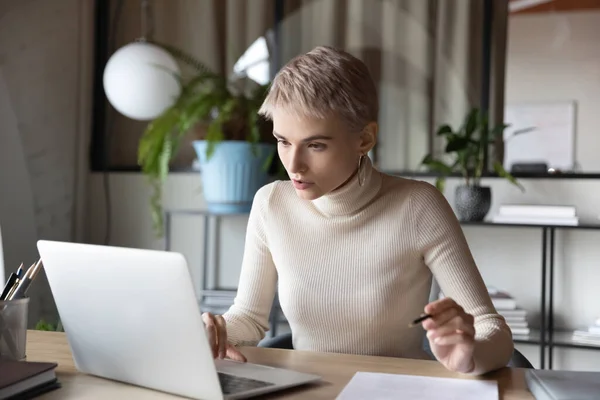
319	155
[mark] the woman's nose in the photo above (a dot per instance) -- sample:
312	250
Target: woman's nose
296	164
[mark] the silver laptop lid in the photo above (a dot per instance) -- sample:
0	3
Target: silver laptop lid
131	315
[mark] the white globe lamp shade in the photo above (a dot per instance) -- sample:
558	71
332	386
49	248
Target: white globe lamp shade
140	80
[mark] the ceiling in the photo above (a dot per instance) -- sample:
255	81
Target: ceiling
541	6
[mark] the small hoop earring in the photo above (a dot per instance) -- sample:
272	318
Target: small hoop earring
360	168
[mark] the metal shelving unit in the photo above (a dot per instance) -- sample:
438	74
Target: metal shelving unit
547	337
210	294
561	339
215	299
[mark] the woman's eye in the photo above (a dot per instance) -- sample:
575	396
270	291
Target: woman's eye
282	142
317	146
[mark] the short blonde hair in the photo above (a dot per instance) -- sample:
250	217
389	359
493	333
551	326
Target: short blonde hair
323	82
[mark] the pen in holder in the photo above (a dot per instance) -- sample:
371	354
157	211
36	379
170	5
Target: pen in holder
13	328
14	309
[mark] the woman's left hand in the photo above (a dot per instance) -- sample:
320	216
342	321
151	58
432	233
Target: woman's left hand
451	334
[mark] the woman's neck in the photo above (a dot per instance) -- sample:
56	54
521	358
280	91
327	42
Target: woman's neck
352	195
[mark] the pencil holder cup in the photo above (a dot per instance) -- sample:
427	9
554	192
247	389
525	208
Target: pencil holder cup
13	328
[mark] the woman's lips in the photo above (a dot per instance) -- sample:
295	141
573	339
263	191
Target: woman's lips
301	185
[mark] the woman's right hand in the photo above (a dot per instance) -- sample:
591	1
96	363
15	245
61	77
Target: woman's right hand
216	330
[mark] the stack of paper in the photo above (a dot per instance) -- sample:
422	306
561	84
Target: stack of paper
376	386
536	214
507	306
591	335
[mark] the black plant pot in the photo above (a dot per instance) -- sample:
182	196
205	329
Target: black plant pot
473	202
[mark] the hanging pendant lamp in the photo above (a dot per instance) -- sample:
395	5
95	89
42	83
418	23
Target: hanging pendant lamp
140	79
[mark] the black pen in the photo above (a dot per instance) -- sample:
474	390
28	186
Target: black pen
13	280
9	285
420	319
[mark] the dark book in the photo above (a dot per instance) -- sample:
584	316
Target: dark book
24	379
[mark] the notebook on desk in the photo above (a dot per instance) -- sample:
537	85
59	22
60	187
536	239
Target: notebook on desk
563	385
26	379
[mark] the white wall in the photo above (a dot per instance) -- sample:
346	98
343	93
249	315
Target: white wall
556	57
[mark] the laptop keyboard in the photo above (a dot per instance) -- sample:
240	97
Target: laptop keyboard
233	384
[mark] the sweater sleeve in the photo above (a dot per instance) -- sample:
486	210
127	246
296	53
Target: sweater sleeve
247	319
446	252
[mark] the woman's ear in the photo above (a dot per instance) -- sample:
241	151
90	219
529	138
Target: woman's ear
369	137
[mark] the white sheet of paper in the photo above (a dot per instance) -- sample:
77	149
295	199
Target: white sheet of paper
378	386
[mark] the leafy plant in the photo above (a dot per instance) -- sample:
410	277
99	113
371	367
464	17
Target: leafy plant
227	106
467	145
42	325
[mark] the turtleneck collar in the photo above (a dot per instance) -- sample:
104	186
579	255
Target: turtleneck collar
351	197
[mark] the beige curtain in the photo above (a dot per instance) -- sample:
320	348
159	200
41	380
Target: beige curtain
424	54
45	107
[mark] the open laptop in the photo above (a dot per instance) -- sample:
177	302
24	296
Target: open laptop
131	315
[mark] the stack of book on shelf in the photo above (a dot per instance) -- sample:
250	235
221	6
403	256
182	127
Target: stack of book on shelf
591	335
507	306
217	301
536	214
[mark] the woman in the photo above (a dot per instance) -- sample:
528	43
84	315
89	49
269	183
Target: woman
350	250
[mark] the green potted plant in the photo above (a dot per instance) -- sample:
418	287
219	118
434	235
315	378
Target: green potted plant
42	325
235	148
464	153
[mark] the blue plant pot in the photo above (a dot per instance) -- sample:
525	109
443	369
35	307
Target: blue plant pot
233	175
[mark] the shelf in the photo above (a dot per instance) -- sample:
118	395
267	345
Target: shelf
532	338
206	213
583	225
216	301
407	173
138	169
518	175
560	338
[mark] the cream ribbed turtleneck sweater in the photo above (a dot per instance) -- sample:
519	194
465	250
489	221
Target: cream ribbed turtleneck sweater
354	267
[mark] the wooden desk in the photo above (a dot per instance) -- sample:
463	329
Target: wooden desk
336	370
